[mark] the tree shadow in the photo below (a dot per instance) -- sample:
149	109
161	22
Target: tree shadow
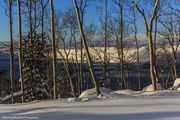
58	115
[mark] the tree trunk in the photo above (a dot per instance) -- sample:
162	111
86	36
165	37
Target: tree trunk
86	50
105	45
30	20
42	22
20	50
11	51
174	65
121	42
82	10
155	40
149	28
81	68
151	60
53	49
137	48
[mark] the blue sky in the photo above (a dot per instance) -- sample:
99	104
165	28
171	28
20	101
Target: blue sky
90	17
58	4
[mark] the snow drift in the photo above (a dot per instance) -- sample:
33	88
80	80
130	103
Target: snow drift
150	88
92	92
176	85
126	108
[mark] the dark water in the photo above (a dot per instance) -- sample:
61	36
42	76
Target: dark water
5	66
114	73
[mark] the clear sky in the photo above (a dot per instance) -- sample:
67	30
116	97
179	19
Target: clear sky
58	4
90	16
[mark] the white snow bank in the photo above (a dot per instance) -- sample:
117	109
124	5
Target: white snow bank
176	84
161	93
150	88
142	108
71	100
9	96
127	92
92	92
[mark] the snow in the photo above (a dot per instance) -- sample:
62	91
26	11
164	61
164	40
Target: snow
92	93
162	105
9	96
176	84
109	105
150	88
126	92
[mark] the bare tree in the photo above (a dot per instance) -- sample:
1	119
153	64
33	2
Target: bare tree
43	6
83	4
20	50
120	35
170	33
86	49
135	31
10	3
104	18
105	61
64	22
29	5
53	49
149	27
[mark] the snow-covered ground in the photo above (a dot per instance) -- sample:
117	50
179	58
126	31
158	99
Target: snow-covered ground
118	105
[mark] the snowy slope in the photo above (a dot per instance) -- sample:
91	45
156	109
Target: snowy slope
156	106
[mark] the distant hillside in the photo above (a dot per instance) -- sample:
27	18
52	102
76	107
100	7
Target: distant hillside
112	43
4	47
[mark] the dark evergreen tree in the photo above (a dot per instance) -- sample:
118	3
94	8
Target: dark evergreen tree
36	66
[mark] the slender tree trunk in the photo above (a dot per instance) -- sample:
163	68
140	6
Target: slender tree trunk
174	69
75	72
86	49
20	50
151	57
137	48
66	69
35	17
155	40
121	42
138	60
53	49
77	63
120	46
81	68
1	86
105	44
149	28
174	64
11	51
82	10
30	20
42	21
29	3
